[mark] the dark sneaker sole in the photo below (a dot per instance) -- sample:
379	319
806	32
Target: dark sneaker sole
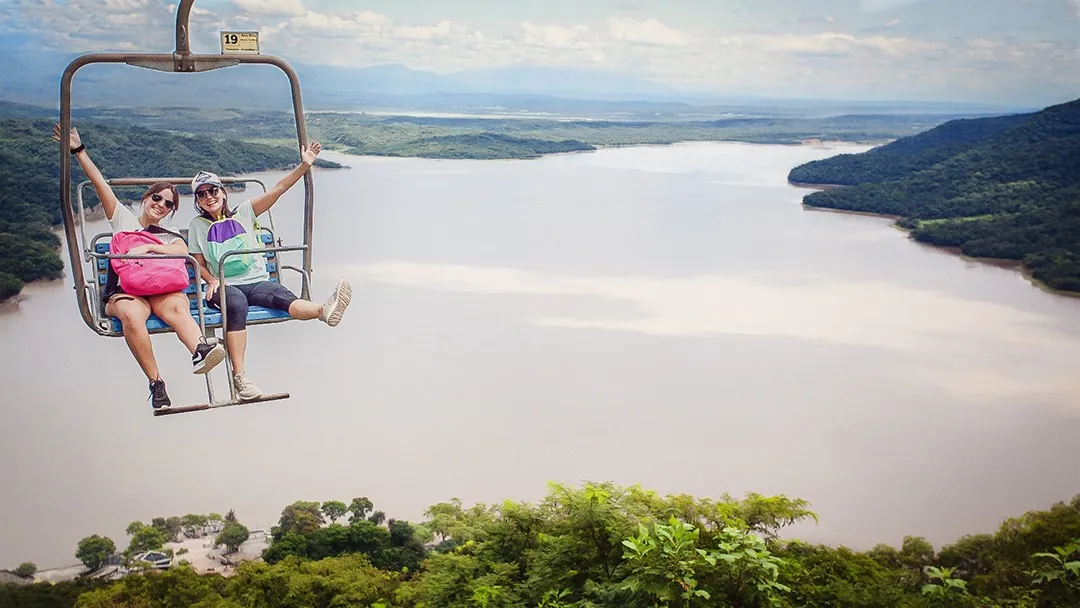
215	356
344	296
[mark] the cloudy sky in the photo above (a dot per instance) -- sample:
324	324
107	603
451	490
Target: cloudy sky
1021	51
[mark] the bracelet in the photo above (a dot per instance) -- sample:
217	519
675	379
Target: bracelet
79	149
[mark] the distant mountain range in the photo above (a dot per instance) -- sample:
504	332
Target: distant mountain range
33	76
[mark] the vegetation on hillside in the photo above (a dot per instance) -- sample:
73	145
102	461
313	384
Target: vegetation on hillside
604	545
30	174
1005	187
434	136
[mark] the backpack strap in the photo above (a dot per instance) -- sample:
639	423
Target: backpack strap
155	229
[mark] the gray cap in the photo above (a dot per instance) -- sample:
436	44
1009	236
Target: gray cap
205	177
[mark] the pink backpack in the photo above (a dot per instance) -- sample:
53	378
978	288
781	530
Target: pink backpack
146	277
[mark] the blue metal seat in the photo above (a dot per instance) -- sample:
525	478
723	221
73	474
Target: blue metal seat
212	315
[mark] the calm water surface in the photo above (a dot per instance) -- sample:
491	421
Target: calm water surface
669	316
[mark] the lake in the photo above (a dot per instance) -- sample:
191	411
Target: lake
668	315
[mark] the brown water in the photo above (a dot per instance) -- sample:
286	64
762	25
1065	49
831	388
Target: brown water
669	316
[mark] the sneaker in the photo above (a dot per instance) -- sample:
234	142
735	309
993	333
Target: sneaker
206	357
159	398
337	303
244	388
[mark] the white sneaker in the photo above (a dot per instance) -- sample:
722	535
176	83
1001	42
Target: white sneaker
335	306
244	388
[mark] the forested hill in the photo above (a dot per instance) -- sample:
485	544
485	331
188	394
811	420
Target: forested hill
30	173
1005	187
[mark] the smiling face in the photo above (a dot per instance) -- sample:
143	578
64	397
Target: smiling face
210	199
159	202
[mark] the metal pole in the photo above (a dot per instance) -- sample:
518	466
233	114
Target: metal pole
183	14
65	193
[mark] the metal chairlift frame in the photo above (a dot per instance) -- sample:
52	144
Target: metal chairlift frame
181	60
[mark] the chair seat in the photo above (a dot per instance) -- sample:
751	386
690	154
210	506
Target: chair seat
212	316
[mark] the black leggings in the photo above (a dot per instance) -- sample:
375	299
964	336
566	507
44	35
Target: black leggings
265	294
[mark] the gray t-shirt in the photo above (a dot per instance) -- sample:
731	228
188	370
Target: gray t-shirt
198	232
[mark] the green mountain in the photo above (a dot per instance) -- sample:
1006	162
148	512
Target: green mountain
30	174
1005	187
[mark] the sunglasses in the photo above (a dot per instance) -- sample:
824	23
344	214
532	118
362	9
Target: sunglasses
169	203
211	191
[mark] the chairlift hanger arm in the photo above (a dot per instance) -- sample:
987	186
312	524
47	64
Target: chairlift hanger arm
181	60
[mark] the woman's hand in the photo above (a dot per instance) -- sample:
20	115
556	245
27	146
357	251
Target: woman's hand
309	154
211	287
76	141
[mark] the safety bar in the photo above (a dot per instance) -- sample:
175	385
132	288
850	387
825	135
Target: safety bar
305	278
221	290
164	256
182	60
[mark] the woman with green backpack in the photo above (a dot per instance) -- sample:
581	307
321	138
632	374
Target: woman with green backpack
218	229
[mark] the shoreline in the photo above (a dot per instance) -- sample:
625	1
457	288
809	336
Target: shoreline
615	146
1014	265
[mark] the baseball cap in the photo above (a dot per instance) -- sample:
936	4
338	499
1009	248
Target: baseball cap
205	177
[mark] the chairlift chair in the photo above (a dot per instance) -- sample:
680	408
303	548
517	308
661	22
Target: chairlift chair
94	252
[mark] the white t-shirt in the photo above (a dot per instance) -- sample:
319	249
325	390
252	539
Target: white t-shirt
123	220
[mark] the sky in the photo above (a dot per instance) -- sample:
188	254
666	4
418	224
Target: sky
1017	51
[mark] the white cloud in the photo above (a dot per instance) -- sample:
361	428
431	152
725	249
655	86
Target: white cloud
836	43
294	8
554	36
735	59
649	31
1075	4
892	23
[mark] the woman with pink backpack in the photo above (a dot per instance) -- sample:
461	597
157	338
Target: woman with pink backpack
158	291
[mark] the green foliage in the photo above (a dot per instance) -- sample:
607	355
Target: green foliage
47	595
94	550
359	508
945	590
1059	572
602	545
482	146
28	260
26	569
1005	187
10	286
146	539
301	518
232	536
334	510
668	566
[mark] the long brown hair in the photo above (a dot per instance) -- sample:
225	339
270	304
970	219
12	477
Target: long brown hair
158	187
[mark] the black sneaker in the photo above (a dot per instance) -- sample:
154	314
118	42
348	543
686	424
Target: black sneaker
206	357
158	395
